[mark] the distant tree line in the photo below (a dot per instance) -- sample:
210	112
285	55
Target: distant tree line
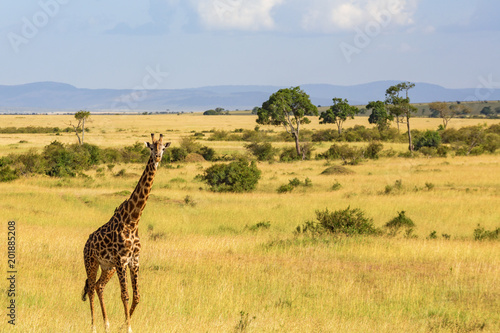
216	112
35	130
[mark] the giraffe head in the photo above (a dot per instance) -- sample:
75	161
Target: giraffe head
157	148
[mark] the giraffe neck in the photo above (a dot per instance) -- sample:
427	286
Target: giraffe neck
137	201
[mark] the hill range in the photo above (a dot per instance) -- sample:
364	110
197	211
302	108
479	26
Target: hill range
54	96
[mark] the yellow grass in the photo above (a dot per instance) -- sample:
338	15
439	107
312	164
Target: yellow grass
201	265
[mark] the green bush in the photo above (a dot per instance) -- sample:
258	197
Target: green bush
325	135
62	161
289	154
222	135
189	144
137	153
59	160
285	188
482	234
207	153
177	154
238	176
397	187
260	225
293	183
336	186
29	163
111	155
373	149
427	139
255	136
348	221
491	142
35	129
263	151
349	155
400	222
334	152
7	174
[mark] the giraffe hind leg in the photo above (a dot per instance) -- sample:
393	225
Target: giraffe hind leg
99	287
91	267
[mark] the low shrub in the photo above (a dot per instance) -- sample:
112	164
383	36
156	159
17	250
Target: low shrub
176	154
481	234
352	155
397	187
293	183
400	222
336	186
61	160
137	153
373	149
491	142
347	221
263	151
260	226
189	144
429	186
427	139
7	174
289	154
238	176
349	155
207	153
325	135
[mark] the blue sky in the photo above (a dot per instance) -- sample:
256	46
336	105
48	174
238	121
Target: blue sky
169	44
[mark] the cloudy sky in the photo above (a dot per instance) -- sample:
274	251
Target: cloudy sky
191	43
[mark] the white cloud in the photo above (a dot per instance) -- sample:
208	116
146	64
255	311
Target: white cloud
236	14
338	15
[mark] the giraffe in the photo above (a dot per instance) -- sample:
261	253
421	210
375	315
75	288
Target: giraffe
116	245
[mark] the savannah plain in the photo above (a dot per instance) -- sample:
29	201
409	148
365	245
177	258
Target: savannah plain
207	267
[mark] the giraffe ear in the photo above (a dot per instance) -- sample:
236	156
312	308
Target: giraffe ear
148	145
166	145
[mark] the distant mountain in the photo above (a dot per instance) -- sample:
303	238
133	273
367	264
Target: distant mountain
54	96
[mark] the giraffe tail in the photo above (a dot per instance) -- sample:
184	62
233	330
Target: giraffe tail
85	290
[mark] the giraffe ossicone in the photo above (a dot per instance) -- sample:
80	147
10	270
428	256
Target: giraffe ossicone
116	245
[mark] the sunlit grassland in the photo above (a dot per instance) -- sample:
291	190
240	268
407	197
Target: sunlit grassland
201	264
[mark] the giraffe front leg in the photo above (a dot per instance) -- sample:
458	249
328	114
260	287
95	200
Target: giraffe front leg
134	276
122	276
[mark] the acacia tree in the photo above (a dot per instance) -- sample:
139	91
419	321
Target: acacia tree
447	112
338	113
288	108
400	106
379	115
81	116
